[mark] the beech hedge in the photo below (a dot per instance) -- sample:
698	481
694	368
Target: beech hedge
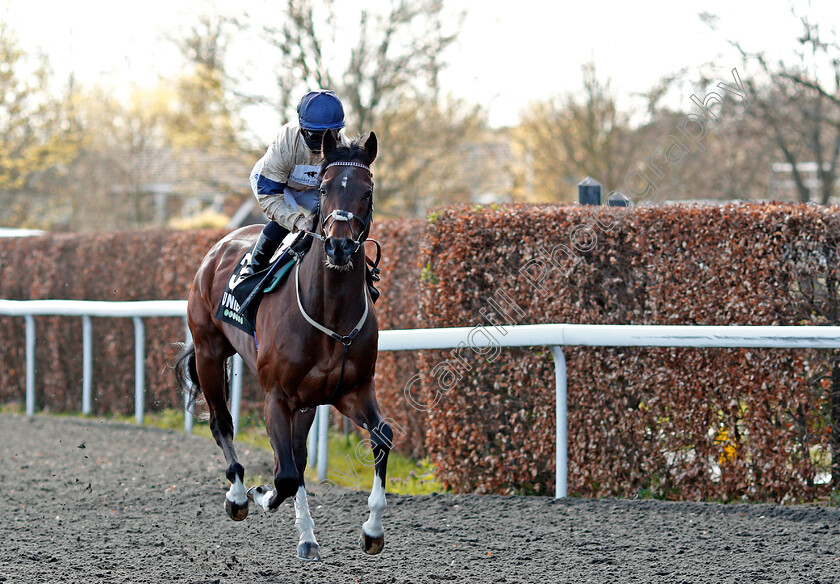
674	423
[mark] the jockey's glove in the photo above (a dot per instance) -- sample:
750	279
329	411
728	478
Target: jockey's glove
304	223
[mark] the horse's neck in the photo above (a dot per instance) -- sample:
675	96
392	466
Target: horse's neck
330	295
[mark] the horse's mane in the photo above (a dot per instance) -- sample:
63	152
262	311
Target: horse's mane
354	152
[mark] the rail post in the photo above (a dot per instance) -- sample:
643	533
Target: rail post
87	365
30	364
323	440
236	391
312	442
139	369
561	463
188	417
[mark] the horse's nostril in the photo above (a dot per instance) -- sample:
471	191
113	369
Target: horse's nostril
340	247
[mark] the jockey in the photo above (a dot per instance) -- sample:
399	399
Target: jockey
286	179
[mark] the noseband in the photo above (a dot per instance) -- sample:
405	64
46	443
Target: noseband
346	216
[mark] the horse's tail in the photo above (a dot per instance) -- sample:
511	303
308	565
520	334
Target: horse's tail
186	374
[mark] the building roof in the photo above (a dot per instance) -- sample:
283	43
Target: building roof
188	173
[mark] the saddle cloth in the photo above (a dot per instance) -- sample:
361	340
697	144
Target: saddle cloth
240	286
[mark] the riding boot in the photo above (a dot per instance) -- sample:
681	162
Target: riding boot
262	252
372	275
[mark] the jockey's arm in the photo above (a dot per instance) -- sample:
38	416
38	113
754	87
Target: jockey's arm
270	197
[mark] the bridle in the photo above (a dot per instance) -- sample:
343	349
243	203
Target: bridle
345	216
340	215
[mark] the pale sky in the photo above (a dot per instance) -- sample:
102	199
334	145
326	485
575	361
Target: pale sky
508	53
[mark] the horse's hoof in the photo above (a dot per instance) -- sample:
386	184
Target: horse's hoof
235	511
255	491
262	496
372	545
309	552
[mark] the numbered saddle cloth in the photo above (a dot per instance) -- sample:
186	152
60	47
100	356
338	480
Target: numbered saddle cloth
242	283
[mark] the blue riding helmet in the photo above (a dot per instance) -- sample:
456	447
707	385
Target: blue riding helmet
320	110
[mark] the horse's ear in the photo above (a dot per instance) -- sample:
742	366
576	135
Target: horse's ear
328	143
370	147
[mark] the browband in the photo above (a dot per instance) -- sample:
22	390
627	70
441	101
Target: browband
358	164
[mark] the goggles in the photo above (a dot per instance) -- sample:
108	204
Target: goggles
314	138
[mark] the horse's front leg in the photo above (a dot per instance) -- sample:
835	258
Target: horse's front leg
308	548
362	408
373	534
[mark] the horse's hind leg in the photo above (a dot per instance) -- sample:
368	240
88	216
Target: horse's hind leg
362	408
278	423
210	358
308	548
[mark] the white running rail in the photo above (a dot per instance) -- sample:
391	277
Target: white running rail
554	336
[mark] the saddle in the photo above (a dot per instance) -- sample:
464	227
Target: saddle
244	290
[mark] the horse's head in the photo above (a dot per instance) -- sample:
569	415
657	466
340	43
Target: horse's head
346	204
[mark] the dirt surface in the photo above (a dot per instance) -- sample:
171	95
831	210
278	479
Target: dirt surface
94	501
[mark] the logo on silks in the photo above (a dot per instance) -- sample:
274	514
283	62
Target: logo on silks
305	174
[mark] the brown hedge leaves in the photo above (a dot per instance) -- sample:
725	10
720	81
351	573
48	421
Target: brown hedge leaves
674	423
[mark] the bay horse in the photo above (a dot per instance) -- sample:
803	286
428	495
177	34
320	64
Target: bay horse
315	343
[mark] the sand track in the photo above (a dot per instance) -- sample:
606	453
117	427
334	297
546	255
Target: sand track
94	501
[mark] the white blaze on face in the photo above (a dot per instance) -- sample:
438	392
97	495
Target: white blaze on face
376	504
344	183
303	520
237	494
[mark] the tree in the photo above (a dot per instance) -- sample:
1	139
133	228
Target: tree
568	138
117	155
388	82
798	101
206	112
37	135
735	148
397	56
425	162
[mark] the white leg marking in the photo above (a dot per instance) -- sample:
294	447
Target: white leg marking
263	498
237	493
303	520
376	504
